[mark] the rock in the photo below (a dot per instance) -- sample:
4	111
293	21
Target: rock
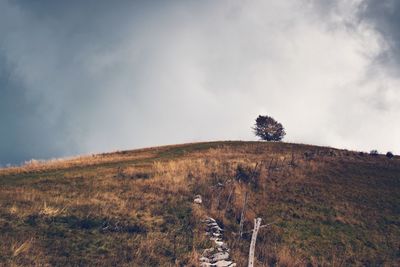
219	243
197	199
204	259
223	263
218	255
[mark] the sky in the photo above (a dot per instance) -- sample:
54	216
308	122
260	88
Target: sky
81	77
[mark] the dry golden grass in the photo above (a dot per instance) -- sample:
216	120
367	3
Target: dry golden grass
135	208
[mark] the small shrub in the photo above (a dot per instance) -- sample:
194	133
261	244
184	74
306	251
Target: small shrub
308	155
374	152
389	155
141	175
248	175
32	220
243	173
131	173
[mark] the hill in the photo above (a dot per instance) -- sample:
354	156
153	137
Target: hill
326	206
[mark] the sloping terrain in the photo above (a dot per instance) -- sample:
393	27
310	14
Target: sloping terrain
135	208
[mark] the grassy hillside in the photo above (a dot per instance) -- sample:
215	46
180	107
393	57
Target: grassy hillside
135	208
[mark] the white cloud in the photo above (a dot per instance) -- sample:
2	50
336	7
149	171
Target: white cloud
204	70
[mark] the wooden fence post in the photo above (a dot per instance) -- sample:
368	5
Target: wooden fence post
230	197
242	215
257	224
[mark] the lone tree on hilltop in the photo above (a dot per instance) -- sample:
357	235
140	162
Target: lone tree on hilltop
268	129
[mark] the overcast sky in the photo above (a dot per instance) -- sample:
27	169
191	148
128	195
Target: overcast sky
94	76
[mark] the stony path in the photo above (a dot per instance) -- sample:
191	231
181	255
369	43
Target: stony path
218	255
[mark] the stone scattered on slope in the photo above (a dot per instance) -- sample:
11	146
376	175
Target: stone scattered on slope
218	255
197	199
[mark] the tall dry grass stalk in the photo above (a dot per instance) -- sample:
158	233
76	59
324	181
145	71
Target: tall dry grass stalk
22	248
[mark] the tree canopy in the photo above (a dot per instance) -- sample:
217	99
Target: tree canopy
267	128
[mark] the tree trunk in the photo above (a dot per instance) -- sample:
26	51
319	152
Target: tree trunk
257	224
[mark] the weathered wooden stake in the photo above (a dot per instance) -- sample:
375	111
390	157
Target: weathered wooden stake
242	215
292	162
257	224
270	167
229	197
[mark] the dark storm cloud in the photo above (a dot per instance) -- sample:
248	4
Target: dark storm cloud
24	130
384	17
63	81
95	75
45	94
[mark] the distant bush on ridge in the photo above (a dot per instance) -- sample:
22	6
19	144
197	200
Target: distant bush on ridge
374	152
389	155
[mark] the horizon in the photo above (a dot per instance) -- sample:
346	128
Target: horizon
91	154
88	77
